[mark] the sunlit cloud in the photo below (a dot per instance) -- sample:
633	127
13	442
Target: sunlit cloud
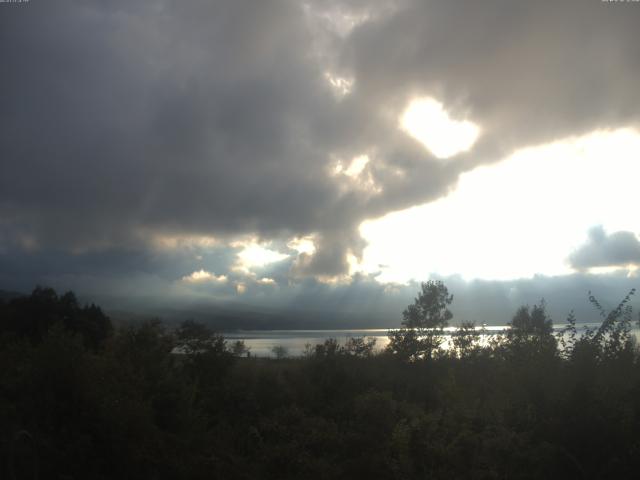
355	175
427	121
354	264
514	219
303	245
202	276
337	19
611	270
174	242
335	280
341	86
356	167
255	255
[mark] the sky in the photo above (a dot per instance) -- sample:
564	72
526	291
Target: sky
322	156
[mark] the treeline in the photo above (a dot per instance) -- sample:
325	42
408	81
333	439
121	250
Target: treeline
82	400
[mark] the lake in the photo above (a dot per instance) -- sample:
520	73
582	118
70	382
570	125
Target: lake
261	342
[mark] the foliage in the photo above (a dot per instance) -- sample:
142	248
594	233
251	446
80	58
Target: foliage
359	346
149	402
198	339
612	340
530	334
424	322
239	349
430	307
464	341
407	344
31	317
280	351
535	323
329	348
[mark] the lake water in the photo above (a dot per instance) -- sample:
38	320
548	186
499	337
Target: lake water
261	342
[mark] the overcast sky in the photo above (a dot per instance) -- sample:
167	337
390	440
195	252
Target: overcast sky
322	154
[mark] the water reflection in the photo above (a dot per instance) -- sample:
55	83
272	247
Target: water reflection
261	342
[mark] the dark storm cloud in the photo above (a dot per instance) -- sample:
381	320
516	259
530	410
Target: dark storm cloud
174	116
118	266
216	118
607	250
526	72
188	117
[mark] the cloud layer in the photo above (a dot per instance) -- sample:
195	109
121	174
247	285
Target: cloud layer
123	123
618	249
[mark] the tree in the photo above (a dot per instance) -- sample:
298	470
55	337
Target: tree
404	343
207	357
240	349
534	322
530	333
464	340
425	321
197	338
430	307
279	351
329	348
33	316
359	346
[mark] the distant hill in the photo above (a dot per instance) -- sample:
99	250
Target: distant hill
242	317
6	295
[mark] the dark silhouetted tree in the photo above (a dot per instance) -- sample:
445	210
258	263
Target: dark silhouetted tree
464	340
33	316
424	322
530	333
359	346
430	309
279	352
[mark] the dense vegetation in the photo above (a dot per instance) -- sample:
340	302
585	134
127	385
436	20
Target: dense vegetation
80	400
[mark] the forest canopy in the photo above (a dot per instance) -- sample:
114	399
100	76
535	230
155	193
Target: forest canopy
82	399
